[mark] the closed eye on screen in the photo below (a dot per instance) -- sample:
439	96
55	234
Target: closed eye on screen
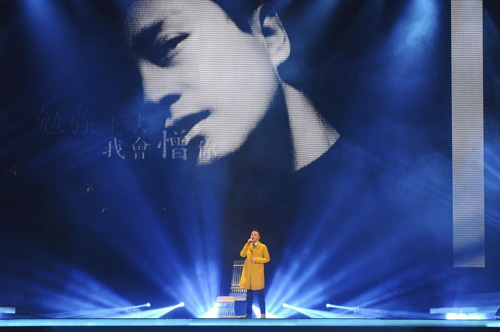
161	53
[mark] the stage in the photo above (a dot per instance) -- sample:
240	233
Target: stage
245	324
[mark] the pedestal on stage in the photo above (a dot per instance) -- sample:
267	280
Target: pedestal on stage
233	306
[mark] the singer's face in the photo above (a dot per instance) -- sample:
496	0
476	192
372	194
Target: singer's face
255	236
196	63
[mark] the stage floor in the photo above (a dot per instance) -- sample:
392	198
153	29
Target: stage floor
245	324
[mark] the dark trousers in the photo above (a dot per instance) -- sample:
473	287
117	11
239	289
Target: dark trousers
262	301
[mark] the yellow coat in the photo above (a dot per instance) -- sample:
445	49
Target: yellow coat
252	276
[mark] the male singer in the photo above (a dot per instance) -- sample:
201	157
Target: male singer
252	277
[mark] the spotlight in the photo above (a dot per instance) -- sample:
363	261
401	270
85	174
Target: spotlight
212	313
7	310
465	316
353	309
155	313
311	313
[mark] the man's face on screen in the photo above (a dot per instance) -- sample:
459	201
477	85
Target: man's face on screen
215	81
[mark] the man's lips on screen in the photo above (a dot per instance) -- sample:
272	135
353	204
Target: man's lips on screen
187	124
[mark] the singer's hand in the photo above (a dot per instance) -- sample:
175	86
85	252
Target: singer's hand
249	241
254	261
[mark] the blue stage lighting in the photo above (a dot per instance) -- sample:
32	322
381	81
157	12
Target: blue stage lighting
7	310
212	313
196	278
66	292
353	309
464	316
101	313
155	313
312	313
491	167
384	294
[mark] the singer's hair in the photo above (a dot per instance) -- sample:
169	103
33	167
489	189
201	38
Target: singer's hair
240	12
256	230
